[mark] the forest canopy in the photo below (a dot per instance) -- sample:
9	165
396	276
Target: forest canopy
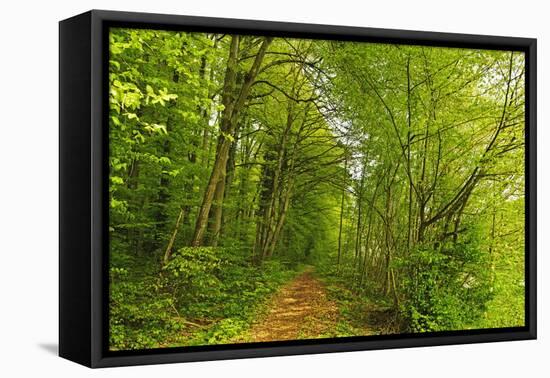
269	188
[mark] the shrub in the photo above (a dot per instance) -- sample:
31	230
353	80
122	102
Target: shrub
445	288
202	295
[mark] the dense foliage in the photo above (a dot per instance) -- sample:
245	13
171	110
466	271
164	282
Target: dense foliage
398	171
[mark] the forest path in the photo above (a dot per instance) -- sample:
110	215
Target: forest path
300	310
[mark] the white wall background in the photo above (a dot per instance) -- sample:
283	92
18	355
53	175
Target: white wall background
28	189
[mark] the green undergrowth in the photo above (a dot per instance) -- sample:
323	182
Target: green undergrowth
360	313
203	296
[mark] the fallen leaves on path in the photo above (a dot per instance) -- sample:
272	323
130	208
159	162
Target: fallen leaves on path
300	310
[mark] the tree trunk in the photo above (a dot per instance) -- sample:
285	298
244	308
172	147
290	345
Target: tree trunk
168	251
271	243
223	185
233	104
360	212
342	212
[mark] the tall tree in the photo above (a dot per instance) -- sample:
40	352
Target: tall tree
233	100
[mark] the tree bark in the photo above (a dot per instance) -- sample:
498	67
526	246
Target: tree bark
342	212
168	251
216	212
233	105
359	230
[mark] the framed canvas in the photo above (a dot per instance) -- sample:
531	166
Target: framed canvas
235	188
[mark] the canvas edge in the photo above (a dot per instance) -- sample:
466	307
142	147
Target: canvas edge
74	212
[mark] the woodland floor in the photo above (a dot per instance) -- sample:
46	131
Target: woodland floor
299	310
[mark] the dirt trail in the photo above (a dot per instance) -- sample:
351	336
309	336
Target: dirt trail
300	310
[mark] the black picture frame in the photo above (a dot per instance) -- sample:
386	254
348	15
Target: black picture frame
83	181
